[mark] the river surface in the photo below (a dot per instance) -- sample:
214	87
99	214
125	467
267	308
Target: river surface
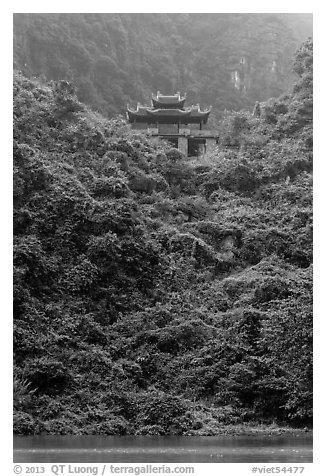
174	449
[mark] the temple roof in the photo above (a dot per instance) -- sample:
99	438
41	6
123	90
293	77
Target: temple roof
170	101
190	114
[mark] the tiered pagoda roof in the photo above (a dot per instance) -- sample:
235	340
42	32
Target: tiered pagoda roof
168	109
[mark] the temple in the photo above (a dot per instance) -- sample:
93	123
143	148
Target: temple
168	118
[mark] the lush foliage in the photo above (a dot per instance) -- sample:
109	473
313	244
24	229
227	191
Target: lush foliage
226	60
154	295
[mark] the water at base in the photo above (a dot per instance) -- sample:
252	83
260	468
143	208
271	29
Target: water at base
174	449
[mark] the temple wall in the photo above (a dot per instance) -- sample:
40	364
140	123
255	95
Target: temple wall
139	125
205	133
183	145
194	127
168	129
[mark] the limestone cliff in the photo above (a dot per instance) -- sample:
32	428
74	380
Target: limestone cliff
228	61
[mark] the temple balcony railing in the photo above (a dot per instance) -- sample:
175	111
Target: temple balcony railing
173	129
184	131
152	130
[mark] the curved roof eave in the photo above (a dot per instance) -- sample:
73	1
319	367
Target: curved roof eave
191	113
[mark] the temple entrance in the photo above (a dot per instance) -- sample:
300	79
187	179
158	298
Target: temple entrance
196	147
184	127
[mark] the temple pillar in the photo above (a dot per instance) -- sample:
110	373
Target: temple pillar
183	145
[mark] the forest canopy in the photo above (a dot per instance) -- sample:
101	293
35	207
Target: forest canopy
228	61
153	294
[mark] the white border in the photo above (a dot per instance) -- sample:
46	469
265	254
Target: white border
319	197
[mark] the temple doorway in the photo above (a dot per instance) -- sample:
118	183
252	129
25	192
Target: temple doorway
196	147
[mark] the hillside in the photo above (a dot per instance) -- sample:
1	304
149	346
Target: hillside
228	61
154	295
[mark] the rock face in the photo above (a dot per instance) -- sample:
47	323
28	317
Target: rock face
255	80
228	61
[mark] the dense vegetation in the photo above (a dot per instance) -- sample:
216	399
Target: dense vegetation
156	295
226	60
